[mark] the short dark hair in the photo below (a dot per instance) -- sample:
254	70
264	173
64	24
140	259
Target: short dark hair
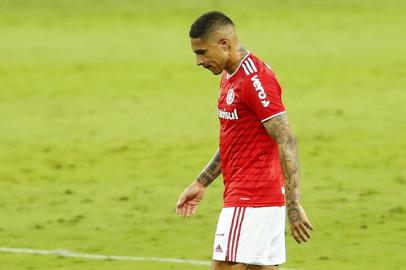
207	23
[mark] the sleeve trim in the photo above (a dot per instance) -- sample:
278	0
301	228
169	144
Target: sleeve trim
266	119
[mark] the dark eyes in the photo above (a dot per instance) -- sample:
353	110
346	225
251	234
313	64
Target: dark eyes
200	52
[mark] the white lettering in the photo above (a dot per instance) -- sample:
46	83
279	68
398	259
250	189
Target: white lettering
223	114
260	89
257	84
261	94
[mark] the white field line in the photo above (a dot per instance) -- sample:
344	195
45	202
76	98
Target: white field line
68	253
72	254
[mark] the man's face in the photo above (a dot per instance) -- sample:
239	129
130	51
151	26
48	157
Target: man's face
211	53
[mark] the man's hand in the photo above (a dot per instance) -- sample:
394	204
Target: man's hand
300	226
189	199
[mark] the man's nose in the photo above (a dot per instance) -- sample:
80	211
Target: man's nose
199	60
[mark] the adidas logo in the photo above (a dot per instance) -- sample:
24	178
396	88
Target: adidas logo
218	249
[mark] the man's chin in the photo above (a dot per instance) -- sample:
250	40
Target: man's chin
216	72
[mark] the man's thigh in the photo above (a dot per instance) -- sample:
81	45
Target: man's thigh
262	267
220	265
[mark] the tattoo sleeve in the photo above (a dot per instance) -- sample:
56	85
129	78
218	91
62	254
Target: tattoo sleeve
279	129
211	171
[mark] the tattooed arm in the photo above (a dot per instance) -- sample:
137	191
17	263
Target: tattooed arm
279	129
192	195
211	171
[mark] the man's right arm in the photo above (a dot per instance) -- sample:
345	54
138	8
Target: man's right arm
211	171
193	194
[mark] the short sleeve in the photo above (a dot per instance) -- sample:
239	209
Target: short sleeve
263	96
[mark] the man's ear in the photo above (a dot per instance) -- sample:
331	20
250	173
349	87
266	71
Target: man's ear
225	44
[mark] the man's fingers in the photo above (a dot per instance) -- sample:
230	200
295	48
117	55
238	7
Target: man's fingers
188	210
299	233
180	204
308	225
178	209
184	210
194	209
304	230
294	234
181	200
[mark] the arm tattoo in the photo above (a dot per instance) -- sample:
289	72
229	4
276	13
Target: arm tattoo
278	127
211	171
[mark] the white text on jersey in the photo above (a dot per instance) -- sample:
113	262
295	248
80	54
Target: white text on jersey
222	113
260	89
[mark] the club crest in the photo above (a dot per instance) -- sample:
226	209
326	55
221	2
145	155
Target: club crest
230	96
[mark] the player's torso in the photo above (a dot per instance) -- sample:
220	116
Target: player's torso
240	128
246	150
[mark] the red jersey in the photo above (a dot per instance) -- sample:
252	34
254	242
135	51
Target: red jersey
249	156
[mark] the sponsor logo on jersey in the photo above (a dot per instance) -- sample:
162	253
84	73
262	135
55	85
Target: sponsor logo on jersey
223	114
230	96
260	90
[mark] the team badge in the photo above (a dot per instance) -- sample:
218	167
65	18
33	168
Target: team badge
230	96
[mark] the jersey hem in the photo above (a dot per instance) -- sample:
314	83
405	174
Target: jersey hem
272	116
254	204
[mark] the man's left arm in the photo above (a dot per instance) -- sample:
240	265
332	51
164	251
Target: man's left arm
279	129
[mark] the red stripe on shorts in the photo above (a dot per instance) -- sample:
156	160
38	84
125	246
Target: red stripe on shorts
229	236
238	235
235	234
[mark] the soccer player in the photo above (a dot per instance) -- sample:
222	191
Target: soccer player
257	155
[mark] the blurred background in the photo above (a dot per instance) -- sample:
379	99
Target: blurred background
105	119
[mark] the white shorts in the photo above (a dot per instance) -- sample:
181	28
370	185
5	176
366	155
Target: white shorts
251	235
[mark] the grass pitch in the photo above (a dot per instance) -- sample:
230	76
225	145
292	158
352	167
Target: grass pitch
104	120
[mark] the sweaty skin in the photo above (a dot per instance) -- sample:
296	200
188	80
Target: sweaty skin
220	51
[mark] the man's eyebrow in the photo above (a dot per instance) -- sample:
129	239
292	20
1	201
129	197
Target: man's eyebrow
199	51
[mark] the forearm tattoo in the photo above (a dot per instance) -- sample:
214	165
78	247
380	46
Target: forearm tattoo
278	127
211	171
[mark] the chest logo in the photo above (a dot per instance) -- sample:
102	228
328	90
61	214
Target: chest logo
230	96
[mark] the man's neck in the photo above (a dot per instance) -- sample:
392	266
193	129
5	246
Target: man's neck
235	59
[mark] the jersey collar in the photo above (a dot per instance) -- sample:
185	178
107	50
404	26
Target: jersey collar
228	76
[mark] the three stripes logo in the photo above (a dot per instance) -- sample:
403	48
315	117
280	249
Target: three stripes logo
218	249
249	66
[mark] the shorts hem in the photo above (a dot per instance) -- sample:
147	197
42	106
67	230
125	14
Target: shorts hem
255	260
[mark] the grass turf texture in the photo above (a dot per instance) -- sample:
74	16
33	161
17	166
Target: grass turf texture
104	120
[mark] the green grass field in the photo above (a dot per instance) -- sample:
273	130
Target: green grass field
104	119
